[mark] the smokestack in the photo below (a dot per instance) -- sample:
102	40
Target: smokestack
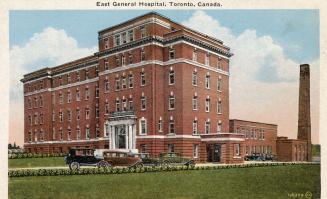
304	121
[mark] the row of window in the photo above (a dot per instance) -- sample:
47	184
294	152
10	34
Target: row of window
252	133
125	37
258	149
38	102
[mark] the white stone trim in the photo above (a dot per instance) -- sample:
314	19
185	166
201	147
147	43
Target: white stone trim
37	79
75	70
167	136
64	86
67	141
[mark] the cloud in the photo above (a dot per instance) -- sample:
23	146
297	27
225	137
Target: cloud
48	48
263	81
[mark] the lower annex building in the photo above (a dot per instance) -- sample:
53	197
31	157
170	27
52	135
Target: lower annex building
153	86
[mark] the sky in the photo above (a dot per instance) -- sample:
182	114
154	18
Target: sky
268	46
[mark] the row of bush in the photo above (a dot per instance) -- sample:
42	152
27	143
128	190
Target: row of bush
115	170
34	155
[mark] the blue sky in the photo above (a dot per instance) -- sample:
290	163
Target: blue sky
296	30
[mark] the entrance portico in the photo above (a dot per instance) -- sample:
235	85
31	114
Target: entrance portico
121	130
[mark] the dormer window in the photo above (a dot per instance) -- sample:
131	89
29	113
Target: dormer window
117	40
124	38
131	35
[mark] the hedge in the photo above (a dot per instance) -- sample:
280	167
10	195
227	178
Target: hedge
115	170
34	155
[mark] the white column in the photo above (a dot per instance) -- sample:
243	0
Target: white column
126	136
134	136
130	135
109	136
113	133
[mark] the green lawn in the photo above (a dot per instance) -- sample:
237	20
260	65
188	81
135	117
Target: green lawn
36	162
256	182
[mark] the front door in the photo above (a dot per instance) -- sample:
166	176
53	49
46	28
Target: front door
213	152
120	136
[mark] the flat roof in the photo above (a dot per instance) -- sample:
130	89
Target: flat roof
252	122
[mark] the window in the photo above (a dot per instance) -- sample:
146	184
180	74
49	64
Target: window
69	133
77	114
143	103
219	107
142	31
30	120
195	127
143	148
69	97
106	43
117	105
131	35
78	95
124	105
124	86
171	101
130	58
97	90
61	116
171	53
106	64
160	125
87	133
247	150
194	78
247	134
171	126
106	130
69	115
87	113
131	81
87	74
87	94
78	76
42	134
219	62
53	116
53	133
142	79
29	136
35	136
219	84
263	135
131	106
207	62
195	55
171	77
207	127
123	60
106	85
195	151
117	60
41	101
60	81
207	105
237	149
78	133
207	81
195	102
117	84
117	40
97	111
106	107
97	132
35	118
60	134
143	129
29	102
171	148
61	98
124	38
219	127
142	55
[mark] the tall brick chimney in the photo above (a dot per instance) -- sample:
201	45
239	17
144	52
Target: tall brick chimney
304	121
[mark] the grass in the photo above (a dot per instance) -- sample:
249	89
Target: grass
256	182
36	162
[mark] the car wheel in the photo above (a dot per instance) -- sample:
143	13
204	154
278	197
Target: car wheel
103	164
74	166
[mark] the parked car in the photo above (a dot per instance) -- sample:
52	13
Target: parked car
119	158
83	157
260	157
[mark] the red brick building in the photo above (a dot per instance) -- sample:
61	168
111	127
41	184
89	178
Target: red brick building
154	86
259	137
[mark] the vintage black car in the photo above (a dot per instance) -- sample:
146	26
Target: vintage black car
83	157
260	157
